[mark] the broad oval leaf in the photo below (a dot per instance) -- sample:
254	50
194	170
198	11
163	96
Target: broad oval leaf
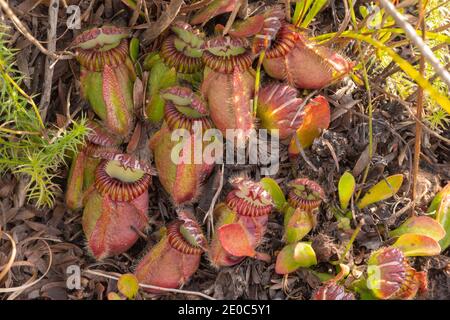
317	118
420	225
288	213
304	255
235	240
272	187
285	260
134	49
346	188
298	226
382	190
128	285
443	217
417	245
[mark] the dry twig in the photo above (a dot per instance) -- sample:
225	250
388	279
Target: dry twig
147	286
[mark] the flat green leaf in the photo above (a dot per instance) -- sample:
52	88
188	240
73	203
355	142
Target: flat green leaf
409	69
304	255
285	260
301	8
128	285
443	217
134	49
382	190
438	198
288	212
272	187
415	245
312	13
298	226
346	188
161	77
360	287
323	277
420	225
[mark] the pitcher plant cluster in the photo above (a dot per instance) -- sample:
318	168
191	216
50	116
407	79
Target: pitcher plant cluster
202	91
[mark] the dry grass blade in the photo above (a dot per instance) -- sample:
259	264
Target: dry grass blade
5	269
21	27
16	291
420	97
163	22
210	213
48	75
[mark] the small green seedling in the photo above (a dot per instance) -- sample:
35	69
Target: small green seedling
128	286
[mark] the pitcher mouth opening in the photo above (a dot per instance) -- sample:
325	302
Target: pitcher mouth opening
250	199
120	183
181	240
226	54
305	194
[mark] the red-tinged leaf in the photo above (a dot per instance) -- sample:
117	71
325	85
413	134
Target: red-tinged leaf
414	245
74	192
272	187
135	138
285	260
214	9
235	240
248	27
443	217
128	285
263	256
317	118
346	188
298	226
420	225
279	109
117	115
383	190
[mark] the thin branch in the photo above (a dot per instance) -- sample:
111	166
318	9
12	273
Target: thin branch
53	9
418	137
23	30
163	22
232	17
411	33
147	286
343	26
210	212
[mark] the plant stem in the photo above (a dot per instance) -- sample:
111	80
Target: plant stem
258	81
369	98
350	242
421	45
23	93
420	96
